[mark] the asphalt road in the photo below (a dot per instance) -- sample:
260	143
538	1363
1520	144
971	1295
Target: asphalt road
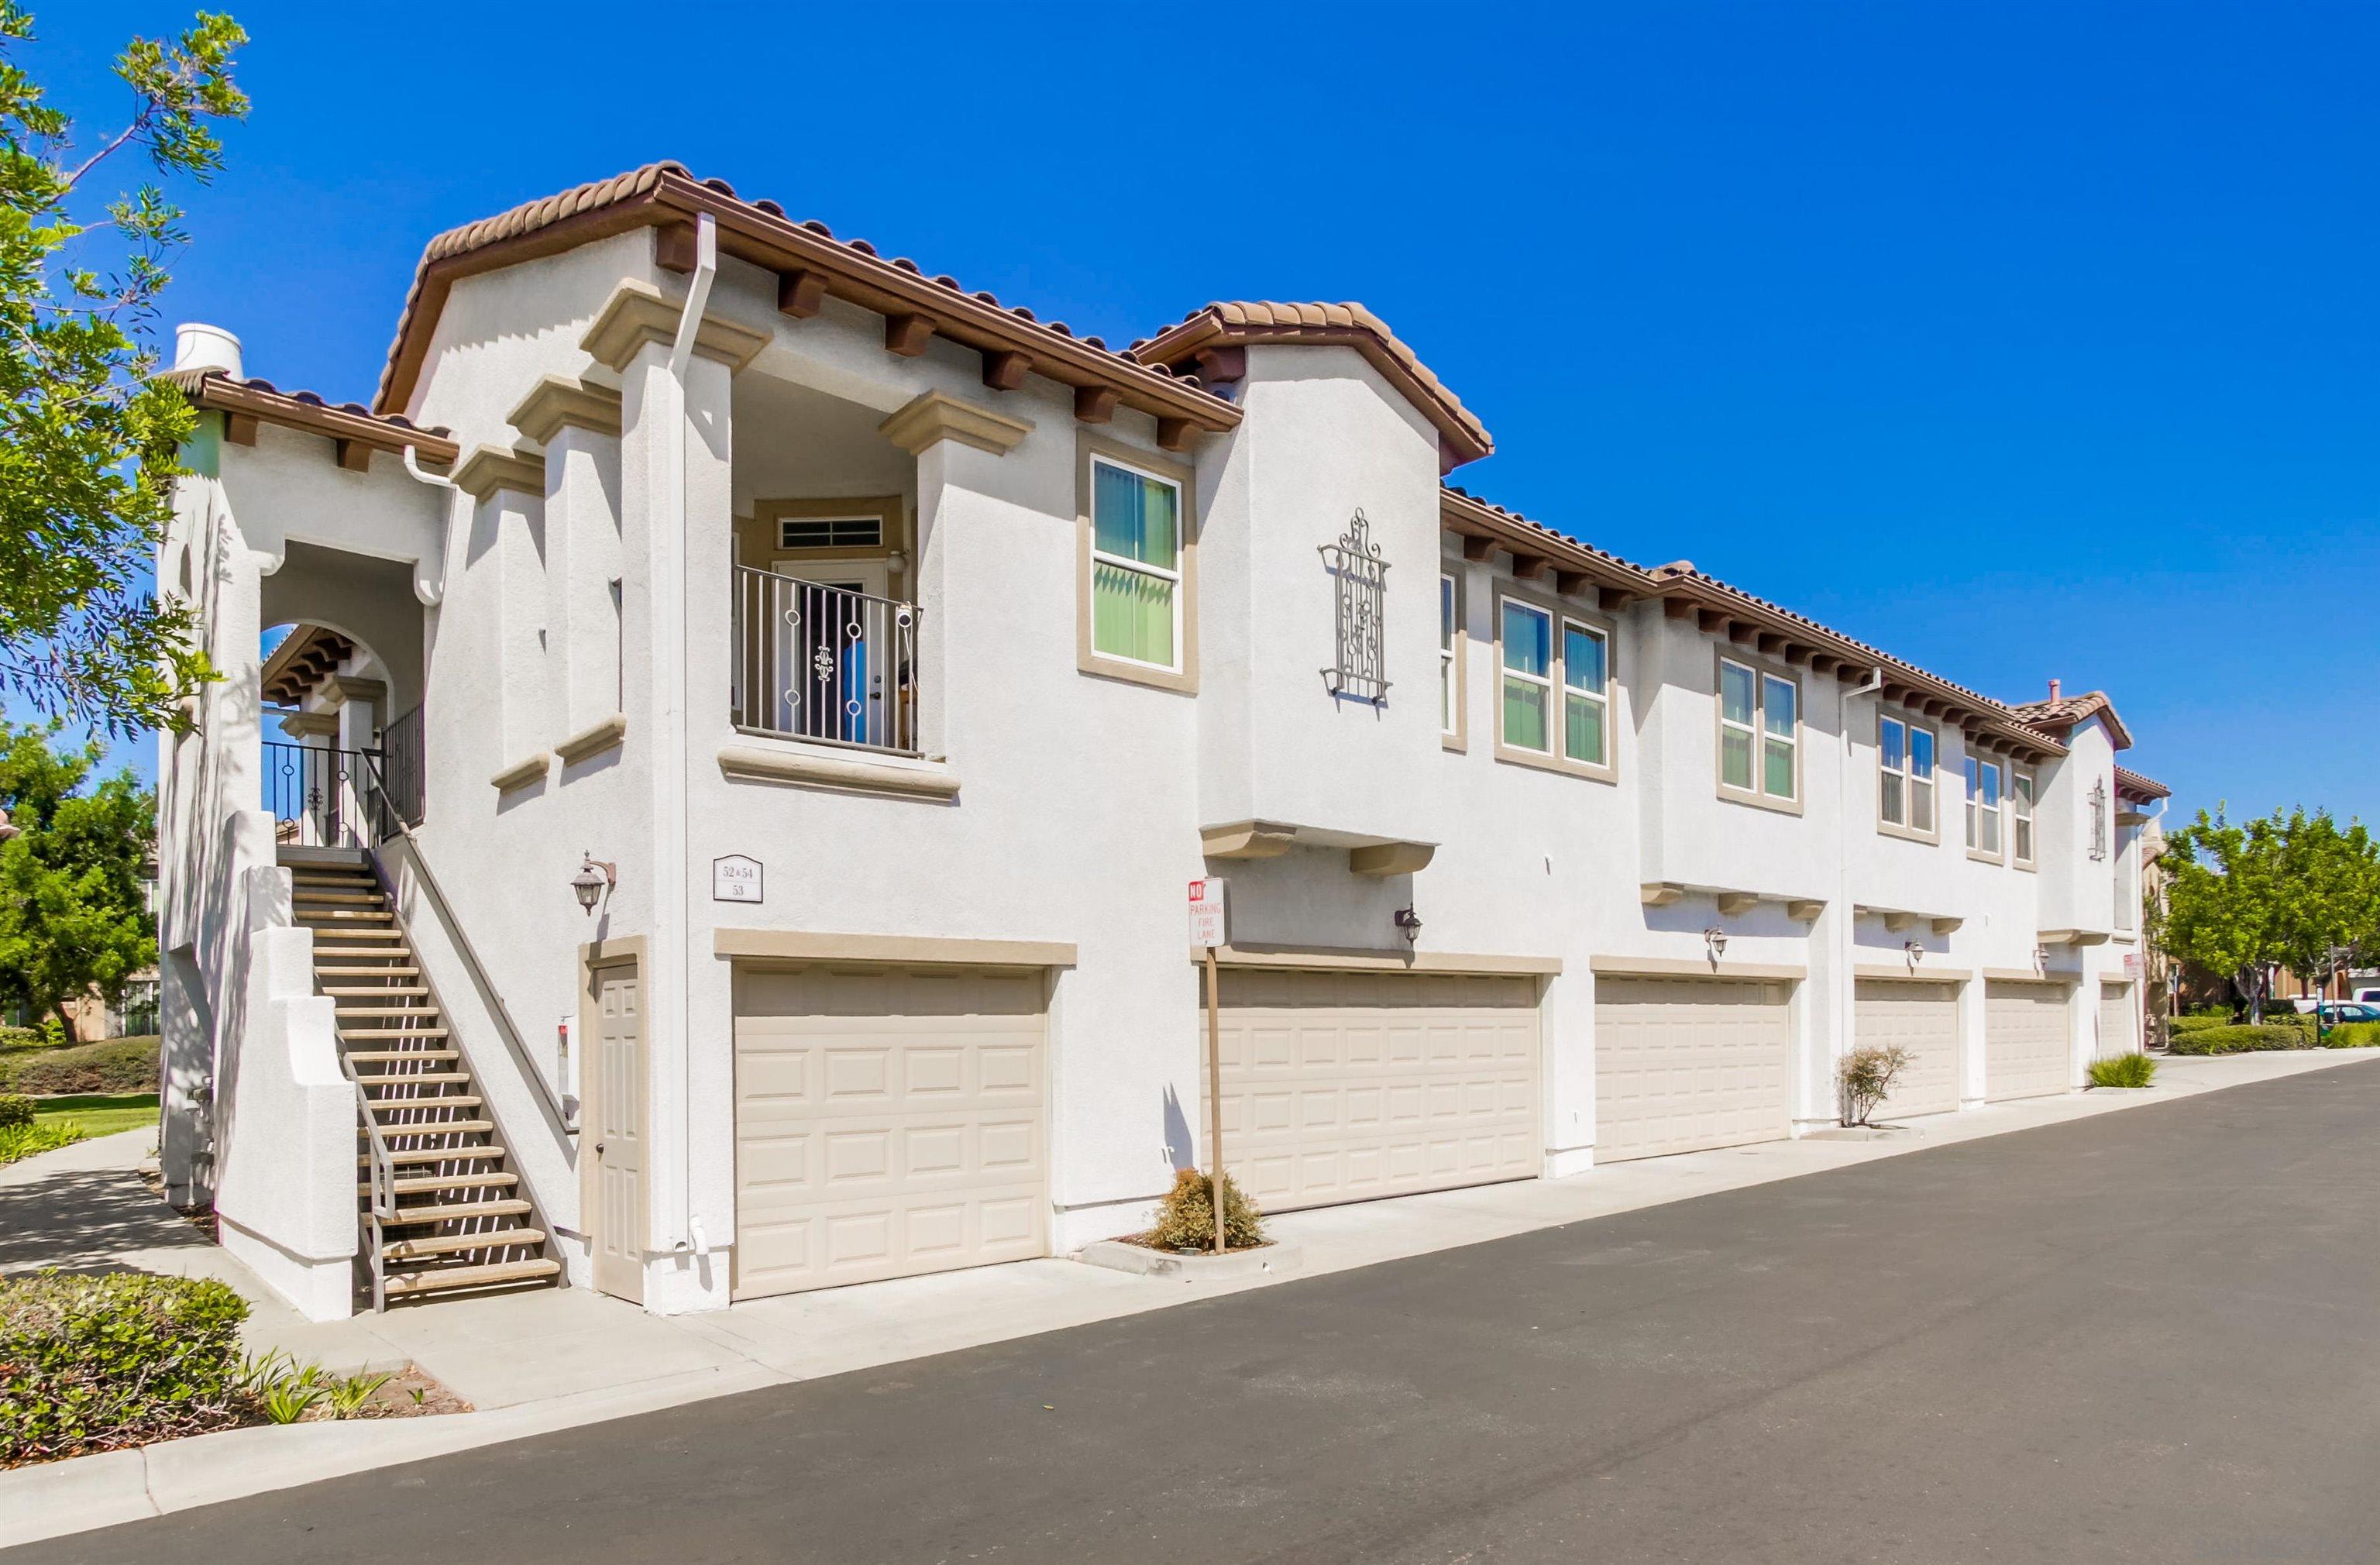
2149	1336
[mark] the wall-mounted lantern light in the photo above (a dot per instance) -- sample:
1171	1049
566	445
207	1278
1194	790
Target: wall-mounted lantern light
594	881
1917	952
1715	941
1410	923
2041	956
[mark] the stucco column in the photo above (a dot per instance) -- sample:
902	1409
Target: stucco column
1970	1042
579	427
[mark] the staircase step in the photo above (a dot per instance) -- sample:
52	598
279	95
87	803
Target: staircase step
322	972
394	936
380	991
431	1184
390	1105
426	1012
311	916
469	1276
309	875
377	1034
432	1127
449	1243
457	1211
420	1078
444	1153
310	894
388	1056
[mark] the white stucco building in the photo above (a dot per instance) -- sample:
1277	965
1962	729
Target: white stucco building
884	662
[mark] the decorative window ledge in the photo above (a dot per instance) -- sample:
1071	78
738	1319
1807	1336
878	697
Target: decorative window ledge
593	740
521	773
819	767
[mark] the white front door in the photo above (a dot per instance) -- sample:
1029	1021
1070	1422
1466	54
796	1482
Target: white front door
615	1134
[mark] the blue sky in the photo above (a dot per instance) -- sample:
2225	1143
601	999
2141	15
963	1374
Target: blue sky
2025	341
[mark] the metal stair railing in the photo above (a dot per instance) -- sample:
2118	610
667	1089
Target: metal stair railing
381	1210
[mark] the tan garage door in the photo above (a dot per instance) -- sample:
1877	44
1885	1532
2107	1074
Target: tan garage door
2119	1028
1343	1086
2026	1052
1923	1019
888	1121
1686	1064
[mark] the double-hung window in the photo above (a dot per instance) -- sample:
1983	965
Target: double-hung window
1984	782
1136	565
1556	675
1450	688
1905	765
1759	733
2020	808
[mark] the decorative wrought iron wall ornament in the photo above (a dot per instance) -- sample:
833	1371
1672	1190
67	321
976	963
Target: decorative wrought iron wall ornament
1361	579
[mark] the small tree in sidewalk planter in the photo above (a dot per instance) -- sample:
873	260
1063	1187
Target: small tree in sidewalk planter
1187	1220
1867	1076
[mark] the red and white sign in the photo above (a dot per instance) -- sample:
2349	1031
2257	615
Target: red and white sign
1207	924
2132	964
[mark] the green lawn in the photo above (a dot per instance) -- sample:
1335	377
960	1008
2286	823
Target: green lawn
99	1113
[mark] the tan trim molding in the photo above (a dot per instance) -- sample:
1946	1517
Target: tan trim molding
637	313
1901	973
1801	910
2051	936
1247	839
521	773
930	417
350	688
1390	858
1728	903
753	763
2027	976
804	945
631	948
597	737
1693	967
490	468
1653	894
299	725
1345	958
557	401
2106	981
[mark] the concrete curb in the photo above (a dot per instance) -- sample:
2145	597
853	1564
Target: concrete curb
1119	1254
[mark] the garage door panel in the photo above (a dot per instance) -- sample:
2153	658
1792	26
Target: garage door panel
1341	1087
2027	1051
888	1122
1686	1064
1923	1019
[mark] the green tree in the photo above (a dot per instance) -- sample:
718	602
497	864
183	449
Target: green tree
89	434
72	915
2287	889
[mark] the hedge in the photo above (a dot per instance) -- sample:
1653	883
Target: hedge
2242	1039
2353	1035
100	1363
116	1065
16	1111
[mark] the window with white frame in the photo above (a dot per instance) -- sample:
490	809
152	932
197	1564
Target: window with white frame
1587	694
2021	807
1449	695
1136	565
1759	732
1905	762
1527	638
1985	780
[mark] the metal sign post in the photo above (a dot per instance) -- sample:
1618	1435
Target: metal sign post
1208	928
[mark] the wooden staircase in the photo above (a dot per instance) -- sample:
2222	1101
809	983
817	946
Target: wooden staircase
463	1222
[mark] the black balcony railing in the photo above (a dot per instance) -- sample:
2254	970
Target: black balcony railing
400	748
326	799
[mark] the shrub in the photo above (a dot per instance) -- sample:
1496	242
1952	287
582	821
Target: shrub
2124	1070
40	1135
116	1065
2354	1035
1867	1075
2242	1039
14	1109
1187	1221
2199	1021
13	1038
101	1362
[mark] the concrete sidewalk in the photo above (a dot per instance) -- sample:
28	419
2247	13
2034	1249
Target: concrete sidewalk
537	1362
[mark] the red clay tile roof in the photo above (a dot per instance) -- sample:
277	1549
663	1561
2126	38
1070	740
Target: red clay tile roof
1463	512
2133	783
309	411
664	195
1463	438
2063	714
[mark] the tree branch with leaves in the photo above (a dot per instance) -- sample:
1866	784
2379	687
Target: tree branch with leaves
89	436
2284	889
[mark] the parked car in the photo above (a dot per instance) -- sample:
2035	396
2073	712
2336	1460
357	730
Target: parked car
2334	1012
2361	997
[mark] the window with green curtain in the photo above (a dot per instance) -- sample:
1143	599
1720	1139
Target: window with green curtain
1135	565
1735	711
1528	677
1780	714
1585	671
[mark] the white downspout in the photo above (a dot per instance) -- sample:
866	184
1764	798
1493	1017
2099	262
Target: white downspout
677	906
1845	940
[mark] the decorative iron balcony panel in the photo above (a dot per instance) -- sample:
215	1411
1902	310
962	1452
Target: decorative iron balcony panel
824	662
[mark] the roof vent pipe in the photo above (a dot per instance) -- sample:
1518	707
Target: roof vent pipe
2053	692
200	346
